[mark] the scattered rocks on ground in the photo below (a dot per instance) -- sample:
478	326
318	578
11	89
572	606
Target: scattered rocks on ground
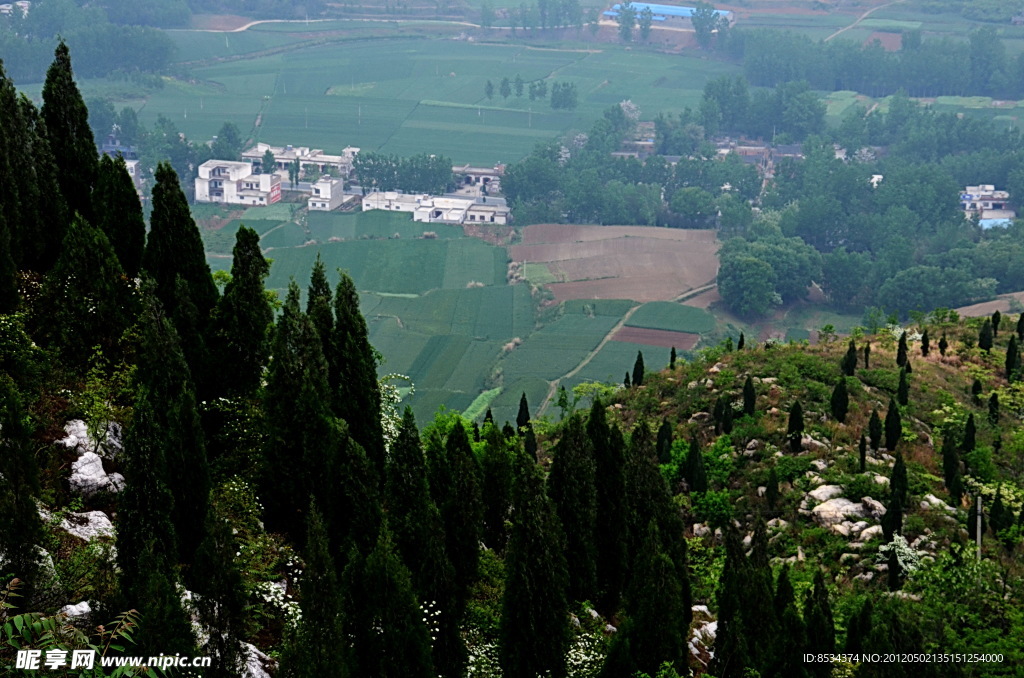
835	511
89	478
873	507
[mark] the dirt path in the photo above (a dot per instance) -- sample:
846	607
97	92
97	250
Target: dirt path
249	25
861	18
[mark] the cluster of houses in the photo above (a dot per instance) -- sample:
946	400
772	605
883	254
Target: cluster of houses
247	182
7	8
991	207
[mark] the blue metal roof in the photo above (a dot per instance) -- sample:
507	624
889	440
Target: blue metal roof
668	10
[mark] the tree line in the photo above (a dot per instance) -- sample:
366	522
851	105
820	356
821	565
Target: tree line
423	173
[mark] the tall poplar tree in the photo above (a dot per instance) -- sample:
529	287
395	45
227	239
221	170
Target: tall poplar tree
571	486
353	373
610	489
242	320
119	213
534	626
71	140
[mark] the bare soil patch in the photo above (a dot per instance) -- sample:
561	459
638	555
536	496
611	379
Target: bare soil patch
683	341
704	299
621	262
218	22
1001	304
891	42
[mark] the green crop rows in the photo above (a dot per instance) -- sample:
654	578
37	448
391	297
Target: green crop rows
667	315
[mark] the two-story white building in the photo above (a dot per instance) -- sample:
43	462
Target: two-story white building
328	194
310	159
234	183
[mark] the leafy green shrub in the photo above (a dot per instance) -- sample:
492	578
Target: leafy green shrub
861	485
789	469
887	380
713	507
718	462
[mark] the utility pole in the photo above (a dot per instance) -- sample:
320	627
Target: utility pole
977	532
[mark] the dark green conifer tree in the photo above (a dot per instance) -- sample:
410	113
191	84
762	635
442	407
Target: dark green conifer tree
728	345
626	382
892	521
534	627
791	635
741	343
242	320
312	650
1020	328
221	602
664	444
761	634
610	489
943	345
462	508
638	369
819	624
572	489
867	356
772	492
86	301
71	140
951	469
840	400
985	336
862	449
970	435
672	358
727	417
908	367
21	531
695	472
795	429
901	350
858	628
319	304
997	318
9	298
732	652
976	389
893	426
391	637
530	443
497	466
352	374
1001	517
903	390
1012	364
523	416
849	363
993	409
875	430
749	397
718	413
119	213
925	343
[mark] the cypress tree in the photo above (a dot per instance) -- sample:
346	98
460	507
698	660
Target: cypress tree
819	625
727	417
718	413
892	521
728	345
571	486
741	343
523	416
1000	517
925	343
732	653
626	382
658	610
867	356
997	318
749	397
976	390
943	345
993	409
1012	364
664	444
71	140
761	636
901	350
489	417
1020	328
858	628
221	601
772	492
903	390
849	362
893	426
951	469
85	300
862	449
672	359
534	626
165	388
970	435
695	473
530	444
352	374
462	508
985	336
21	531
840	400
9	298
790	641
119	213
497	467
795	429
638	369
391	637
909	367
242	320
319	304
875	430
311	651
610	490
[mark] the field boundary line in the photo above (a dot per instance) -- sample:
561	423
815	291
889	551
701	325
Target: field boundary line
861	18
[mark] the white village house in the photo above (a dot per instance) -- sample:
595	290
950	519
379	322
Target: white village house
433	209
233	183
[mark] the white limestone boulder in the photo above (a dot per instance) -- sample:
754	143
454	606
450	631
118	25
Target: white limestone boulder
837	510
